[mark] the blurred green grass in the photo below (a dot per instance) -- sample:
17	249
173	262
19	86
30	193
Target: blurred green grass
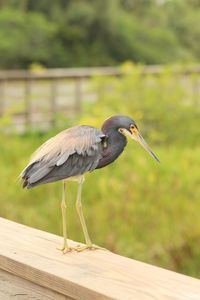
134	207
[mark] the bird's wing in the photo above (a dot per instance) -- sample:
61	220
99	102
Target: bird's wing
72	152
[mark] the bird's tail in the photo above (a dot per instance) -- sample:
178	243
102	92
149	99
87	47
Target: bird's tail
33	174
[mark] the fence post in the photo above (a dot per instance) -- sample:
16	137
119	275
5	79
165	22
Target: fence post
78	95
53	96
195	89
2	97
27	99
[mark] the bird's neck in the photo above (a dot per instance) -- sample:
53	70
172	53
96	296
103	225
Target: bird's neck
114	146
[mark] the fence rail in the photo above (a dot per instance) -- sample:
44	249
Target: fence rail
36	97
73	73
31	267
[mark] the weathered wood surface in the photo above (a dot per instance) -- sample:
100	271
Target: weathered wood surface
36	265
13	287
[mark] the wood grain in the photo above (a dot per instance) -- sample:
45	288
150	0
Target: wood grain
31	254
13	287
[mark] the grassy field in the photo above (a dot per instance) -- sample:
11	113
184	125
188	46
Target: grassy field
135	207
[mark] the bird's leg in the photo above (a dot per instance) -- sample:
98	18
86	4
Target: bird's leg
65	247
89	244
80	214
64	221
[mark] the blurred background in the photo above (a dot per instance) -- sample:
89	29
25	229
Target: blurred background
70	62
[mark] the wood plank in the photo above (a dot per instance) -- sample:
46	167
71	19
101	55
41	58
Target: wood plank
31	254
18	288
73	73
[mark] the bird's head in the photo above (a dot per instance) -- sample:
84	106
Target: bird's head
128	128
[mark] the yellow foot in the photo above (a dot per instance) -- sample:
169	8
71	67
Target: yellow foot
88	247
80	248
66	249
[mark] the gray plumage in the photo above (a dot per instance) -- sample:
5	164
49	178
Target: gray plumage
76	151
70	153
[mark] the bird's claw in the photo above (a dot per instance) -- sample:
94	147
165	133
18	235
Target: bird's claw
80	248
66	249
89	247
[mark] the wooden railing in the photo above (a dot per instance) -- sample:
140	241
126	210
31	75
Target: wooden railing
25	89
31	267
85	72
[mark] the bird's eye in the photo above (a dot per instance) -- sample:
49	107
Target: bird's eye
133	126
133	129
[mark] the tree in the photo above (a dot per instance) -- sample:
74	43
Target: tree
25	38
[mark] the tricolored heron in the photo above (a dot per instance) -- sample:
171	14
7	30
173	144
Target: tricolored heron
75	151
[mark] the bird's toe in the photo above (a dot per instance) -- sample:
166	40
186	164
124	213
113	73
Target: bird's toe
89	247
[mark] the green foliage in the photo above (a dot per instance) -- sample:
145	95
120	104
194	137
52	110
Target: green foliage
25	38
164	105
187	27
90	33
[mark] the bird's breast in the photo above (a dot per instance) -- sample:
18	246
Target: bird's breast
114	147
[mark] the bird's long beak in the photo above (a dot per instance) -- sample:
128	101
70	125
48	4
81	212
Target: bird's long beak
135	135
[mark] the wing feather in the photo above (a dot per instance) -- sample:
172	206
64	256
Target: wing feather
72	152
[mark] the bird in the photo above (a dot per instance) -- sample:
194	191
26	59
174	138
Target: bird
75	151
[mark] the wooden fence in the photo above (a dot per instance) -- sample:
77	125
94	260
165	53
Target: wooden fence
22	94
31	267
